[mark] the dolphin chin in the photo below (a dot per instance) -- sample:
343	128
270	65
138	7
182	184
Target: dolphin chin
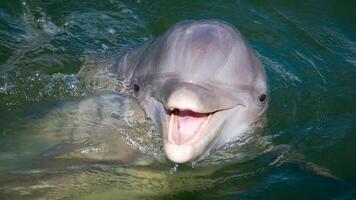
201	83
186	135
180	153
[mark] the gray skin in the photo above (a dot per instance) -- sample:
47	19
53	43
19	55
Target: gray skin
197	69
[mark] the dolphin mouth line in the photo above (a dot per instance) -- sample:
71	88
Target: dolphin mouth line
186	126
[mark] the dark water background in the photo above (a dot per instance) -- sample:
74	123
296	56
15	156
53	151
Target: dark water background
307	47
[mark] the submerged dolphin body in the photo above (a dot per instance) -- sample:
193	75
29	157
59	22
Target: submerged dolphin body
201	83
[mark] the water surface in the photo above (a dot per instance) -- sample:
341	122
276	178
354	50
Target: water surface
76	136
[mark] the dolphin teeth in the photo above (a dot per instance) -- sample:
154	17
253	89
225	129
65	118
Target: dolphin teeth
201	127
171	125
171	121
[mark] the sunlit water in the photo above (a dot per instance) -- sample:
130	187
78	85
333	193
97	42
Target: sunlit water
69	129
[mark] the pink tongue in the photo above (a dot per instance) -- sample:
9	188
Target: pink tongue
188	125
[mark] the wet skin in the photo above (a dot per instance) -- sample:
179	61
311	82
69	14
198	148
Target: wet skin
201	83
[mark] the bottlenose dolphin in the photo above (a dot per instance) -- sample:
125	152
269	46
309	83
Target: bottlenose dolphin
201	83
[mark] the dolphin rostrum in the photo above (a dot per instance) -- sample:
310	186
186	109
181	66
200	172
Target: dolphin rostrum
201	83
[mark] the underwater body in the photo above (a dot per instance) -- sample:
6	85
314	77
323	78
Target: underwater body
70	129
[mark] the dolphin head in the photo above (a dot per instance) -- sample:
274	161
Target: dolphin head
202	84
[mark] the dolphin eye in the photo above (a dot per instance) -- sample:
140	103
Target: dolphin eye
262	97
135	87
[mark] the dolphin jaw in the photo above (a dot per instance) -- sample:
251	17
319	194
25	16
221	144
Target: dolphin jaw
177	127
182	145
180	153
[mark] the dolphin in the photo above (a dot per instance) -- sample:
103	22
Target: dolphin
201	83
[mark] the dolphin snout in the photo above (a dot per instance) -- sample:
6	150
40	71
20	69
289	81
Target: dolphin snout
185	99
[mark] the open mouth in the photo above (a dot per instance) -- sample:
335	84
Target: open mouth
186	126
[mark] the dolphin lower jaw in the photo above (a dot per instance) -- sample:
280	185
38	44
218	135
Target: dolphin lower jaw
186	127
182	147
214	130
180	153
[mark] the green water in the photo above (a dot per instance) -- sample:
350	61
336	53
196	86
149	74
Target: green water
57	141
